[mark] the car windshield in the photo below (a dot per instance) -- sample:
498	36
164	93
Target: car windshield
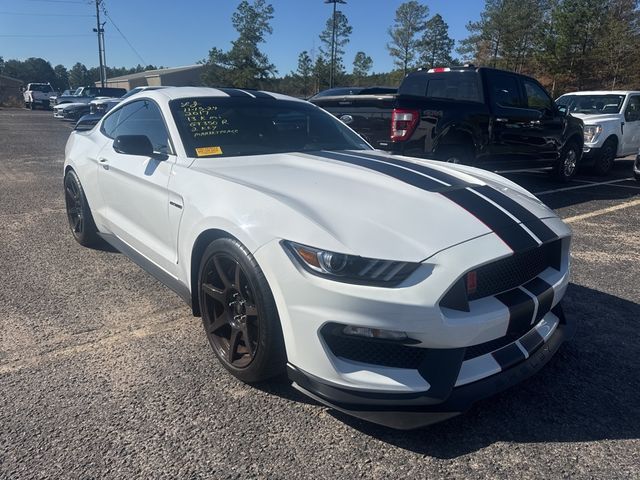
78	91
592	104
41	88
224	127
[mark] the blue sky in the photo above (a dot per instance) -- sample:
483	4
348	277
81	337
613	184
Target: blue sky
181	32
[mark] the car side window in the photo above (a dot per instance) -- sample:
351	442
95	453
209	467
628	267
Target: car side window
537	98
143	117
505	91
110	123
632	112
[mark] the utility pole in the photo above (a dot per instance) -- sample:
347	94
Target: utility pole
100	31
334	51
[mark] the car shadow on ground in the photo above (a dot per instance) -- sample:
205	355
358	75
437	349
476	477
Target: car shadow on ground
588	392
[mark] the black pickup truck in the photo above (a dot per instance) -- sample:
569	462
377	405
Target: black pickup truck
483	117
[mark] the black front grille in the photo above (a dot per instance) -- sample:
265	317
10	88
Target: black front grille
372	351
515	270
504	274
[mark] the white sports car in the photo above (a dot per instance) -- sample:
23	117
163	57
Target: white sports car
397	290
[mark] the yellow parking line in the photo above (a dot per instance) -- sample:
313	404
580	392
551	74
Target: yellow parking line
602	211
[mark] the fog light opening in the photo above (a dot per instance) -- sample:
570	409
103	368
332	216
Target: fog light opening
374	333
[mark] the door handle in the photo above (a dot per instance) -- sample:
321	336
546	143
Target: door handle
104	162
501	120
534	122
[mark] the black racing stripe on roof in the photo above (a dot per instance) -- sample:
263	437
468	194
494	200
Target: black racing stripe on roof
232	92
417	167
405	176
502	224
533	223
258	94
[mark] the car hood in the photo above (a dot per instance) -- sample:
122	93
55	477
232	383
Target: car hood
596	119
366	211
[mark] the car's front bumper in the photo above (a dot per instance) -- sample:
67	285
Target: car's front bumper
443	400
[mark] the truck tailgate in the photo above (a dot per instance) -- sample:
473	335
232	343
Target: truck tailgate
369	115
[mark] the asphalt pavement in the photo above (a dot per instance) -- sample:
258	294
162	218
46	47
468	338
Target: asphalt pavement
104	373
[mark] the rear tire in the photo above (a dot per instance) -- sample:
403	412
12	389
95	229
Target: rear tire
604	162
567	166
239	314
83	228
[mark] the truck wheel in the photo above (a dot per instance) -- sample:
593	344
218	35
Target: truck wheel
456	154
239	313
567	166
604	162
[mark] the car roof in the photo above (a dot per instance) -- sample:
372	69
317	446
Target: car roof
173	93
602	92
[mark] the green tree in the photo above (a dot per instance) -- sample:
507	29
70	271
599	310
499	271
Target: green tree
508	35
244	65
343	32
436	45
304	74
1	64
62	78
31	70
79	76
362	64
408	24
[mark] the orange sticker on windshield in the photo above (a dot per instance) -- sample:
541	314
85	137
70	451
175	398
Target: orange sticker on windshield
204	151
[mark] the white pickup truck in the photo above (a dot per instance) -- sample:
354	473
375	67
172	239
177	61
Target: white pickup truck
611	124
38	94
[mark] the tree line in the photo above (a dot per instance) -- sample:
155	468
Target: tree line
566	44
37	69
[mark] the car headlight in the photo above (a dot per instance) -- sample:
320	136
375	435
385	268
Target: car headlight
350	268
591	132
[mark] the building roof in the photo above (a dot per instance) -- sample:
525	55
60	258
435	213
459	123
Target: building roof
153	73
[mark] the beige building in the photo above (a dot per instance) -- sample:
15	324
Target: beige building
188	76
10	91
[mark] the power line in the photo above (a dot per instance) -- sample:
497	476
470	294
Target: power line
104	10
46	14
46	36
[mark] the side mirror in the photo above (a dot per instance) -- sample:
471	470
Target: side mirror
563	110
133	145
86	122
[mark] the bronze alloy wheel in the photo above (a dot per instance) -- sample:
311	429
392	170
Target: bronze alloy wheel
73	200
230	314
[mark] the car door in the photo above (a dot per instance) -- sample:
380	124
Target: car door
631	127
134	188
510	142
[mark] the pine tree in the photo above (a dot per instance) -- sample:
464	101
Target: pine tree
343	32
362	64
244	65
436	44
303	75
408	24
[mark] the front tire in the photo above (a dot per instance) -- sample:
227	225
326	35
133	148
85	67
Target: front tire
567	166
81	222
604	162
239	313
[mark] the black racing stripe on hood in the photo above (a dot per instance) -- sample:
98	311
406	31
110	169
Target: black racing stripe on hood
403	175
533	223
509	230
417	167
502	224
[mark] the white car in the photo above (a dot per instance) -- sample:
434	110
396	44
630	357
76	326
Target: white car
398	290
611	124
38	94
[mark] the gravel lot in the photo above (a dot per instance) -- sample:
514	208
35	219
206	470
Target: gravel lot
105	374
